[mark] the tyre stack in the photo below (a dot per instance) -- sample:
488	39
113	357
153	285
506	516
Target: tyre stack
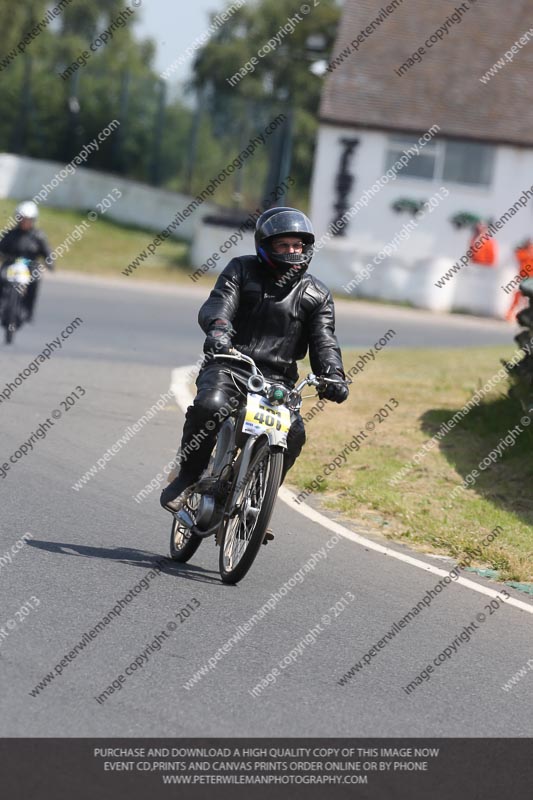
522	372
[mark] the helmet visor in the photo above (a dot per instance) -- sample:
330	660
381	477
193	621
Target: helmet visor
288	222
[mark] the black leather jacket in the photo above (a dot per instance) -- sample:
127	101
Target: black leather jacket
25	244
275	324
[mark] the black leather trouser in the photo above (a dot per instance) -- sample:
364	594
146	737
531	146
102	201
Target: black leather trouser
216	391
30	298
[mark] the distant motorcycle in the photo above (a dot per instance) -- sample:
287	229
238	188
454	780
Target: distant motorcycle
15	277
235	497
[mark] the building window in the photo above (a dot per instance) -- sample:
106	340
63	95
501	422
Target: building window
454	161
421	166
468	162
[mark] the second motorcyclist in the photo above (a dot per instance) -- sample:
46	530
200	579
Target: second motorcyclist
26	241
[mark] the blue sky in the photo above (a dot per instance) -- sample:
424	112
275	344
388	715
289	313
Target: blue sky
175	26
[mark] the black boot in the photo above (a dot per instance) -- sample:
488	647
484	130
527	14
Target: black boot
170	495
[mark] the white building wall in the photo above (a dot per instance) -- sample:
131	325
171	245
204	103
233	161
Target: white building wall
410	273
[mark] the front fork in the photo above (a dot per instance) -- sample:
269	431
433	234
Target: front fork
245	458
233	507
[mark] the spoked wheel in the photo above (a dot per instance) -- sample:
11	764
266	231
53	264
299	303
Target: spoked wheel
184	543
246	529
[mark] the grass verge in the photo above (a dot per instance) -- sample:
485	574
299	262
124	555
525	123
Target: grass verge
430	386
107	247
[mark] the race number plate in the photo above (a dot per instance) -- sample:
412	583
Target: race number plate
262	417
18	272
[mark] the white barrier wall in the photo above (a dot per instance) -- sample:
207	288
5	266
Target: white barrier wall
410	277
213	240
407	276
23	178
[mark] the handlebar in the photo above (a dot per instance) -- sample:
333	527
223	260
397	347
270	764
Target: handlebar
238	356
310	380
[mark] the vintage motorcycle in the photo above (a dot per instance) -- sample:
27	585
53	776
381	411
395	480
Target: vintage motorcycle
15	277
235	497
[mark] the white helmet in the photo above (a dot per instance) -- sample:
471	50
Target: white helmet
26	210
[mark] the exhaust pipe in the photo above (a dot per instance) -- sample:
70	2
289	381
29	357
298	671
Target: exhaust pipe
184	517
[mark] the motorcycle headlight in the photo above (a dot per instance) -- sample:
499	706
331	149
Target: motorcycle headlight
277	394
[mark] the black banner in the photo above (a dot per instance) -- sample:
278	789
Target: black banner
136	769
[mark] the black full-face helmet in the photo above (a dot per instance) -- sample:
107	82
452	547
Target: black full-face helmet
284	221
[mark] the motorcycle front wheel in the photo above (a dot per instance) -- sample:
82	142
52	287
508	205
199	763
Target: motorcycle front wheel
246	529
10	317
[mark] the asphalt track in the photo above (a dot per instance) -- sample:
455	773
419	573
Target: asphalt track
87	549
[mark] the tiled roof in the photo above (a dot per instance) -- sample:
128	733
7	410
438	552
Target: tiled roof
445	87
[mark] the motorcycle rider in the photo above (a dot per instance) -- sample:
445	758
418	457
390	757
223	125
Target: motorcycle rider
268	307
27	241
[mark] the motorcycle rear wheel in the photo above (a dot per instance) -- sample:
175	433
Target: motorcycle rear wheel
184	543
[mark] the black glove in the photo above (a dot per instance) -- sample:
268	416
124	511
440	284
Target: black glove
218	340
336	389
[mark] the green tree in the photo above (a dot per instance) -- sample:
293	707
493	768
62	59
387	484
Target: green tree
44	116
278	78
17	18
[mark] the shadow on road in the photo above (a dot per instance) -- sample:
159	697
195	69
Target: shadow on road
130	556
